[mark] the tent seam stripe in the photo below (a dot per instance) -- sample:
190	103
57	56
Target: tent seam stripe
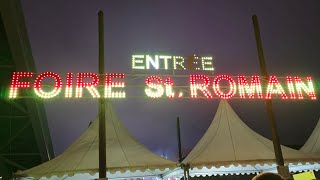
119	140
211	138
234	151
85	153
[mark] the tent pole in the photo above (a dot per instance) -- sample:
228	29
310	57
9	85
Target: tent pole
179	140
179	149
187	167
184	173
282	169
102	119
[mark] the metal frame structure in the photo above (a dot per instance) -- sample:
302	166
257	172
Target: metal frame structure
24	134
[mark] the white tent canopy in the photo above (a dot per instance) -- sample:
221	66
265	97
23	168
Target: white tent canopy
230	147
313	143
126	157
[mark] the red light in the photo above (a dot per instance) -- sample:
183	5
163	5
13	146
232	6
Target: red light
195	85
38	85
244	87
169	83
306	88
89	85
154	89
68	92
15	83
291	87
109	84
217	90
273	81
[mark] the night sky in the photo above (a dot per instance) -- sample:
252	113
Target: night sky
63	37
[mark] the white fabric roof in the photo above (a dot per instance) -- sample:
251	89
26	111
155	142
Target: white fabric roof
123	153
241	170
229	142
313	143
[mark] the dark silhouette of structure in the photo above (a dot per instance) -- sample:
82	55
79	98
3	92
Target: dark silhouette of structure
24	134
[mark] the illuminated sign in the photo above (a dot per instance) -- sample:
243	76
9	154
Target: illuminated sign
166	62
160	86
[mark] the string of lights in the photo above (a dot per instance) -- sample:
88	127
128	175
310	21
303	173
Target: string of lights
115	85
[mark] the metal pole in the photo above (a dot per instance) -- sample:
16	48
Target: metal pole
184	173
179	140
102	118
179	149
275	137
188	173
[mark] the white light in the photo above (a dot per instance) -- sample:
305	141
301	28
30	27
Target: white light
207	63
178	60
138	62
154	88
165	59
154	62
109	84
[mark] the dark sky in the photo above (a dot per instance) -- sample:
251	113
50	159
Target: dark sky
63	36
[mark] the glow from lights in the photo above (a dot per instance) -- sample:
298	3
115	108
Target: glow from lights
154	88
191	62
306	88
273	81
195	85
244	87
90	86
68	92
15	83
38	85
109	84
207	63
157	62
154	62
217	90
165	59
169	83
138	62
291	87
178	60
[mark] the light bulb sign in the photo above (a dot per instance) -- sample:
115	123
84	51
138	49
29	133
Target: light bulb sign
195	85
175	62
